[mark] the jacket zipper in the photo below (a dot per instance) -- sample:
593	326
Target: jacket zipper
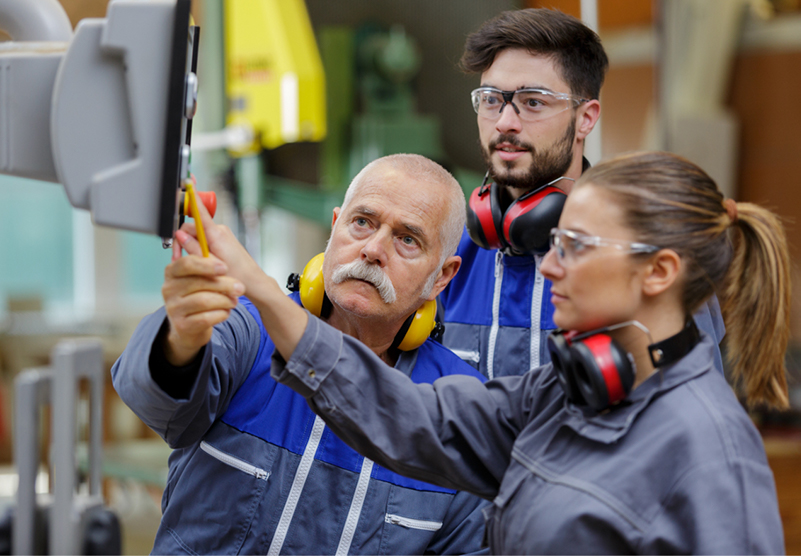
302	472
410	523
467	355
496	309
236	463
536	319
355	508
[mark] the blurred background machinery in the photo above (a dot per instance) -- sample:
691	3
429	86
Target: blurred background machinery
296	96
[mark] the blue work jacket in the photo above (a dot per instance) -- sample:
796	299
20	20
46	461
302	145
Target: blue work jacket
254	471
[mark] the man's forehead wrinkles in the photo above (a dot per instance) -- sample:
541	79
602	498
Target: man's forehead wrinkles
412	228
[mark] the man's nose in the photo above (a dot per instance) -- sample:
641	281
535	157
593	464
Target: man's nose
376	248
508	120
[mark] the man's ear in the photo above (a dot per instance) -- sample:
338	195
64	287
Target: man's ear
446	274
588	114
662	272
334	218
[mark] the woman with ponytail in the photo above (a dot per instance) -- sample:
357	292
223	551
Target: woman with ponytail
736	250
629	442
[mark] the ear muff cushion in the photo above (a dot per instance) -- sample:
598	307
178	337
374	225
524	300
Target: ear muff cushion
312	289
562	360
604	374
480	224
528	221
423	322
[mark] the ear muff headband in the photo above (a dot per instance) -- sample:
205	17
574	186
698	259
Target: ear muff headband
414	332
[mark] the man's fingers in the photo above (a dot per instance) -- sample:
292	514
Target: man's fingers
188	242
192	284
176	251
198	324
193	314
200	302
195	265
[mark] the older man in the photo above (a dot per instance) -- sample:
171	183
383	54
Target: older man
253	469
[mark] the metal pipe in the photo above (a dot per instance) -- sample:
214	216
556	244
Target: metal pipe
592	144
35	20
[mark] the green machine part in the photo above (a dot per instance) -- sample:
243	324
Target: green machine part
371	112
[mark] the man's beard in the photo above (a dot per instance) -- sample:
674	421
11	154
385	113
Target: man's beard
545	167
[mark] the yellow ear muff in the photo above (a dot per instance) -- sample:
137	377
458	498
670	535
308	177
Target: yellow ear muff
423	322
415	331
312	290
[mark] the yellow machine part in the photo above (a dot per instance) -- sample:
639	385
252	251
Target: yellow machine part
274	75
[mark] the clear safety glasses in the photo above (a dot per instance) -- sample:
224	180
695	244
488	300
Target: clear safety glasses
530	105
570	245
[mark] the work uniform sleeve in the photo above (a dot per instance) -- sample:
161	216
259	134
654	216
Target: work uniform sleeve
223	366
719	508
457	432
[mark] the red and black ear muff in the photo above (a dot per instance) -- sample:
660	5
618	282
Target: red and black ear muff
602	369
528	221
415	330
592	368
484	216
562	359
595	370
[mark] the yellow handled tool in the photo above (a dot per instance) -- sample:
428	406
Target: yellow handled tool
201	235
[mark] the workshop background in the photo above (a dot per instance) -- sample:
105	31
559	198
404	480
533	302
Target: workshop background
714	80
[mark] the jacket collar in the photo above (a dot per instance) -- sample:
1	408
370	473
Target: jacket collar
612	424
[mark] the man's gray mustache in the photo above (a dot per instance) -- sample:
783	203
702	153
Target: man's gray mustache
371	273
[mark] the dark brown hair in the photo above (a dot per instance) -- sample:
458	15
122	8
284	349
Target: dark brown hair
575	47
740	254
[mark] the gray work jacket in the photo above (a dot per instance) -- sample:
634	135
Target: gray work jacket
676	468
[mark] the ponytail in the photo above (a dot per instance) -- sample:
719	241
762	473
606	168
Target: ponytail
755	299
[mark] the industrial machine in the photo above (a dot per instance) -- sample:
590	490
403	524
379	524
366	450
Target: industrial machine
274	80
106	111
371	111
64	521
